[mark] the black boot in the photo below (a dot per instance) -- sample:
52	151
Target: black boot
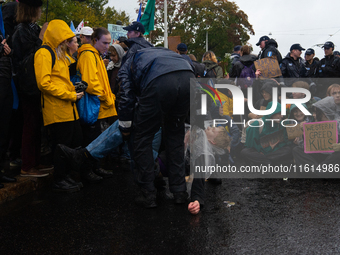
103	173
91	177
75	157
147	199
64	186
1	186
73	182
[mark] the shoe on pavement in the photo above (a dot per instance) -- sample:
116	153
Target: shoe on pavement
103	173
45	167
181	197
146	198
33	172
91	177
64	186
15	163
5	178
76	157
73	182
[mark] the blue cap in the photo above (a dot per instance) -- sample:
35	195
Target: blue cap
309	51
182	47
135	26
237	48
263	38
296	46
336	53
328	45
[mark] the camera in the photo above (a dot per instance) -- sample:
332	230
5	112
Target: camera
80	86
107	56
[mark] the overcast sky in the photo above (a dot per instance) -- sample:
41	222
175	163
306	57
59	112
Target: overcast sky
308	22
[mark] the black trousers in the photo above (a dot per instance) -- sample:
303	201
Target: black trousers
164	102
6	104
68	133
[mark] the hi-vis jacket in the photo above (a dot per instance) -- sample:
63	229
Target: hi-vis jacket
58	95
93	71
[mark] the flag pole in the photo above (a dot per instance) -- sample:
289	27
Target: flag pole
165	24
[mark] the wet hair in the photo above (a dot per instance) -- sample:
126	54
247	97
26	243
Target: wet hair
98	32
209	55
301	84
222	140
26	13
330	88
245	50
192	57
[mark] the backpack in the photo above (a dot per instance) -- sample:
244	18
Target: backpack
247	76
27	80
209	73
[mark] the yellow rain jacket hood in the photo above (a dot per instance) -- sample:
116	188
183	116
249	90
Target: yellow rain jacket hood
93	71
58	95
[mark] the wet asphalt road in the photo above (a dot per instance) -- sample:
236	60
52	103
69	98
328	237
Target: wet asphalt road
270	216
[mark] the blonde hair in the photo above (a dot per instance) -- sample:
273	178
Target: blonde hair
330	88
61	50
209	55
222	140
301	84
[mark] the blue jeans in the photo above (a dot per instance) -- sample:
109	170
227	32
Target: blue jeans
111	138
107	141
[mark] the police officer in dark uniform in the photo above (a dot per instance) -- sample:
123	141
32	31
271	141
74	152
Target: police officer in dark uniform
311	63
329	67
268	48
292	65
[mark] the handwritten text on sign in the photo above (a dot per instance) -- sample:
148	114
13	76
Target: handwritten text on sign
269	67
319	136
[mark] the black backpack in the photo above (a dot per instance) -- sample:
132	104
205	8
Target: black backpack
209	73
27	80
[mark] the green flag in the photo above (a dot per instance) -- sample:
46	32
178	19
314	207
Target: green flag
148	18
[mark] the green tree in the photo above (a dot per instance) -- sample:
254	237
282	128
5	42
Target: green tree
92	11
226	24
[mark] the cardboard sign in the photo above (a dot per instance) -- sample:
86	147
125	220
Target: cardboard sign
294	132
269	67
173	41
272	138
320	136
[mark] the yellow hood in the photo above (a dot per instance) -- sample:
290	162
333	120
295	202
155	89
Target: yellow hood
57	31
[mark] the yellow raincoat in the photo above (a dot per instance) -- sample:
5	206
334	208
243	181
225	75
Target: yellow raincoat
58	93
93	71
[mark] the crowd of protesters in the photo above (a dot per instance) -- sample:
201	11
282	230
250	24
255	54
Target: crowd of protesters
145	94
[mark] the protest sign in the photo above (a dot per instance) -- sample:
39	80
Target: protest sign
320	136
116	31
294	131
269	67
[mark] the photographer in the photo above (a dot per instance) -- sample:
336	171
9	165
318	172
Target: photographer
58	98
